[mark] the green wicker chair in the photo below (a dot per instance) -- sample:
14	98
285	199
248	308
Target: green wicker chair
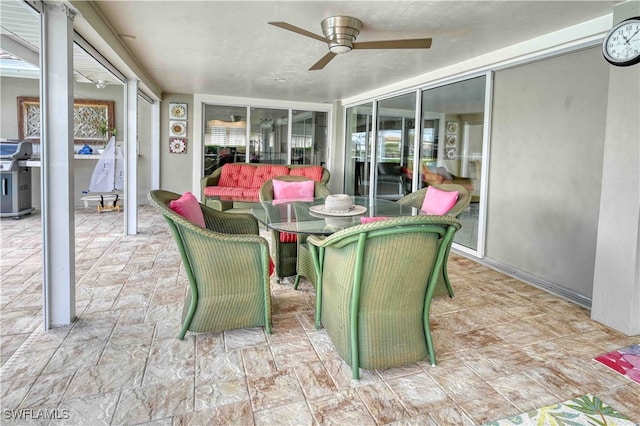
227	265
375	285
292	258
415	199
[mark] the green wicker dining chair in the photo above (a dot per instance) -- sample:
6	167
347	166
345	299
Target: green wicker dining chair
227	264
291	254
375	285
415	199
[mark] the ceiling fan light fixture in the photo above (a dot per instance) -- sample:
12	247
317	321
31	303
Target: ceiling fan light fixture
340	48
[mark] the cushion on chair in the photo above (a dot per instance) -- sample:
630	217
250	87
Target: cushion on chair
438	202
288	237
293	191
313	172
188	207
288	191
365	219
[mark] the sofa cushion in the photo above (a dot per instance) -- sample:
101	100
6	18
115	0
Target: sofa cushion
223	192
311	172
249	195
188	207
266	172
237	175
438	202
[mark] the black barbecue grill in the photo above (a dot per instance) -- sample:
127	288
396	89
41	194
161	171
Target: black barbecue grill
15	199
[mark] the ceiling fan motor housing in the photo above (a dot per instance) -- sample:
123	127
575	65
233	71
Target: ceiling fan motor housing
342	31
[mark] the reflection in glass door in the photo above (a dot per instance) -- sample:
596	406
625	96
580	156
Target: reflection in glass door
358	149
453	145
395	146
308	137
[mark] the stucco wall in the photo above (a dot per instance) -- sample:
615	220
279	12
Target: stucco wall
547	143
176	169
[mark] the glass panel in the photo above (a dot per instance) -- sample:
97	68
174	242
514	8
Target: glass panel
358	149
225	136
309	138
396	133
452	144
145	164
269	132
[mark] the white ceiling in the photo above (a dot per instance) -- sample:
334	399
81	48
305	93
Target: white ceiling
228	47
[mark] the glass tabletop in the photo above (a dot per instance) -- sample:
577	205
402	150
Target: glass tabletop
298	217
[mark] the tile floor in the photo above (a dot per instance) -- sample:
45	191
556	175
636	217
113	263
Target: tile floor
503	347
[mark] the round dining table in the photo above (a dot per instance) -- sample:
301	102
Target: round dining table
307	217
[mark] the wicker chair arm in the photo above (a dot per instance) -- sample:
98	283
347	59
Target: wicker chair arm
353	231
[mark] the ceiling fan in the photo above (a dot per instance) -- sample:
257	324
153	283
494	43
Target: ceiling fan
340	33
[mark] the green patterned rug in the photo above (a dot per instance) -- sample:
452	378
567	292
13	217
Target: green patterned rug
587	410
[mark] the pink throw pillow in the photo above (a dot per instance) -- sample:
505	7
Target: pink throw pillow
438	202
290	191
188	207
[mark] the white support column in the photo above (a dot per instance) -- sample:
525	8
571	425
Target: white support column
58	221
155	145
616	281
131	158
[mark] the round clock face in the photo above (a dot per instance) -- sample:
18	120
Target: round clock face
621	46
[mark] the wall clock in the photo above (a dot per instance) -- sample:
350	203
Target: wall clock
621	45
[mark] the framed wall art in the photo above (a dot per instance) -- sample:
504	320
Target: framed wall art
177	111
89	116
177	146
450	153
452	127
177	128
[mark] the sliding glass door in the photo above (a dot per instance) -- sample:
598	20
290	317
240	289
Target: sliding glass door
451	147
395	145
242	134
359	125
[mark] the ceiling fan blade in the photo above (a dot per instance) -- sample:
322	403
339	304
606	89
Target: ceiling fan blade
417	43
299	30
323	61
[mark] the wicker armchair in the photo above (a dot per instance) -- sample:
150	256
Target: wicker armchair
415	199
227	265
374	290
292	258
